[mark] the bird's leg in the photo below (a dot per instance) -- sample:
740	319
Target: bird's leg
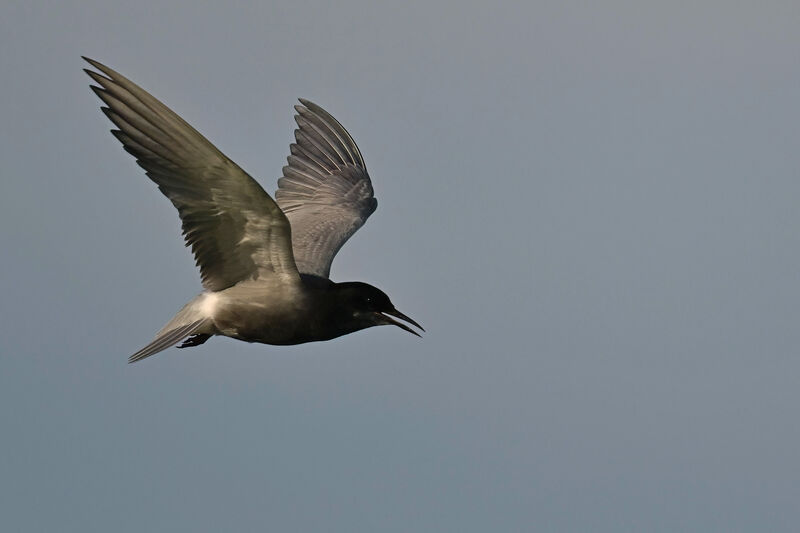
195	340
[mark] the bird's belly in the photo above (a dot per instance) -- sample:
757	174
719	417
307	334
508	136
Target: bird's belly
268	324
277	332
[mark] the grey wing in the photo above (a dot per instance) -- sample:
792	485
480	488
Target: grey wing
325	190
235	229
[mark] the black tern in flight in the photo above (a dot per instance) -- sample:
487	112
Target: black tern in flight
264	263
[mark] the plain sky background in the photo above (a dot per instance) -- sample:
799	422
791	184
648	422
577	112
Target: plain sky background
591	206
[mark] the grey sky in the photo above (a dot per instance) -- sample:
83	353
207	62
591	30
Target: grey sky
591	208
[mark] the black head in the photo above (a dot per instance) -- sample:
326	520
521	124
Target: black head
367	306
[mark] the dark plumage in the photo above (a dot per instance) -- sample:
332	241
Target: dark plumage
264	264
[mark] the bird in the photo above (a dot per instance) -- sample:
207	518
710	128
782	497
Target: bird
264	263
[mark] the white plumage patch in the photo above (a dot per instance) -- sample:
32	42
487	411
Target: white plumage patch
209	304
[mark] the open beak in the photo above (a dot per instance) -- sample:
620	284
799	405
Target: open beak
397	314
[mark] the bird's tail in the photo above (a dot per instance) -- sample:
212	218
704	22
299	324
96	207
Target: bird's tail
190	320
169	338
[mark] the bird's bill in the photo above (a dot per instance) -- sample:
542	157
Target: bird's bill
397	314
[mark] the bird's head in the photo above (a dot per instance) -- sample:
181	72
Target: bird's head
369	306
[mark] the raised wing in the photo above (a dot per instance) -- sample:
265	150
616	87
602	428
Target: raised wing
235	229
325	190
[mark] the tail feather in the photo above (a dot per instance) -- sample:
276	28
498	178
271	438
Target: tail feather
166	339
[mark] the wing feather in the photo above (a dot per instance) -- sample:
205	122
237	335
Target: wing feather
325	191
236	231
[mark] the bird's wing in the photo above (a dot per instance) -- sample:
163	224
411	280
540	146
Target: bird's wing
235	229
325	190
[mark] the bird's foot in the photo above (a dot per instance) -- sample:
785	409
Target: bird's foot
195	340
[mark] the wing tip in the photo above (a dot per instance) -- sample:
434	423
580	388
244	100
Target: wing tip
99	91
96	64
